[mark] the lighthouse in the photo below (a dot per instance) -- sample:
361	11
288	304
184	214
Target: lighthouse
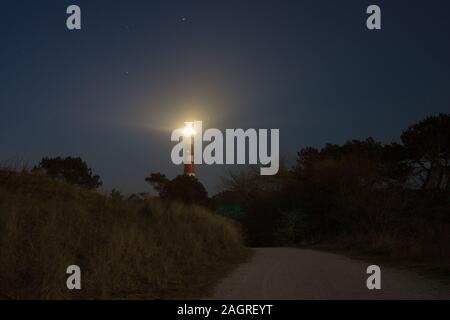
189	133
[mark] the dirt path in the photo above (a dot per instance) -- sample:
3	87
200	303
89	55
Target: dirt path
288	273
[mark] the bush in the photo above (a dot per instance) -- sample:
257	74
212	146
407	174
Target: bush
72	170
126	249
183	188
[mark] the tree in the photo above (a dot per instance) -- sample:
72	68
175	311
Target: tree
428	147
183	188
72	170
159	182
256	201
361	163
344	188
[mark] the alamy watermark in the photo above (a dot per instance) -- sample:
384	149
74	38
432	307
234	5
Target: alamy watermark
73	21
228	148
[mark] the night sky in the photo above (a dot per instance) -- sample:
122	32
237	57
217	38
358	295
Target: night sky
112	92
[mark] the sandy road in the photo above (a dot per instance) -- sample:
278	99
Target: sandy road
289	273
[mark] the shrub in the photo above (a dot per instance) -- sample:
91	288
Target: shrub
126	249
72	170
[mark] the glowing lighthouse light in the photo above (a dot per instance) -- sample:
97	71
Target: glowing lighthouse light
189	130
189	133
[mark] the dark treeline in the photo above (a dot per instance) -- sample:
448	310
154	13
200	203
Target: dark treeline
389	199
381	198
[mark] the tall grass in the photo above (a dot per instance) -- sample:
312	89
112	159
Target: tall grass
125	249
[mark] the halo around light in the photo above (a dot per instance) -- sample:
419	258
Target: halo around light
189	130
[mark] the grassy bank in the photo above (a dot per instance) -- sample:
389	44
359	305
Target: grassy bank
126	249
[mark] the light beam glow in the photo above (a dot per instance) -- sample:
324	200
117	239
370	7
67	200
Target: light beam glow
188	130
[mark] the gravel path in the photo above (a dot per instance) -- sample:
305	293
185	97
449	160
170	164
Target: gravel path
289	273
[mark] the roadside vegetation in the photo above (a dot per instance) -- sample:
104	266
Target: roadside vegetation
363	196
126	248
391	200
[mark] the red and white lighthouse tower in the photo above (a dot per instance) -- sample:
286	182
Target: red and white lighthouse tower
189	133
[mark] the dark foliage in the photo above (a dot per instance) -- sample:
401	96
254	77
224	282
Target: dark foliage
385	198
72	170
428	145
183	188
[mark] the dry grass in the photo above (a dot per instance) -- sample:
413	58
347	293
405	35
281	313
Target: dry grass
126	249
